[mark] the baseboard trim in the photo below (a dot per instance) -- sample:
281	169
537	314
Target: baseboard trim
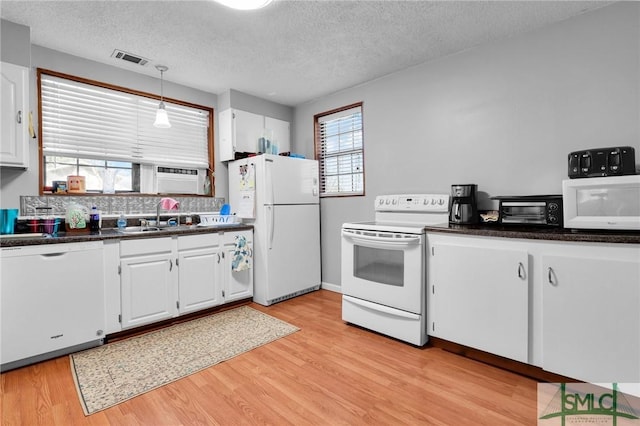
331	287
517	367
130	332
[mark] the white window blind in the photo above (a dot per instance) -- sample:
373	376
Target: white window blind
85	121
340	151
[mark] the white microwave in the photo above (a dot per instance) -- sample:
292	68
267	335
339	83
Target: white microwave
611	202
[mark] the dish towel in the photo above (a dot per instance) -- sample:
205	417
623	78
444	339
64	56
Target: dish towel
241	255
169	204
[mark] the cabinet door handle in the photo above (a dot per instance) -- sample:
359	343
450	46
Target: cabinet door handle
53	254
170	265
551	277
521	272
218	257
19	117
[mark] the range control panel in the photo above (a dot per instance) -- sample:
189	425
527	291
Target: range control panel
413	203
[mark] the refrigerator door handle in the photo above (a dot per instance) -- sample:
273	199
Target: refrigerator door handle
271	225
269	181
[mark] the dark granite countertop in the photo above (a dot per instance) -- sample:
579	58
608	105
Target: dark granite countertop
541	233
113	234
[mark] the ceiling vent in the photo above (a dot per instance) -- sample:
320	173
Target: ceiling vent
129	57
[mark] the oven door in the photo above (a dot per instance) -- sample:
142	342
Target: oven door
384	267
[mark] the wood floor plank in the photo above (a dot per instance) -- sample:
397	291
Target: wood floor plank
328	373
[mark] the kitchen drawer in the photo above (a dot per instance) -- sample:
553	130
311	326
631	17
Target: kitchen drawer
145	246
187	242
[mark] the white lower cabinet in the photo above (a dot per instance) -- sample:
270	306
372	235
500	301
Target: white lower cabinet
591	315
52	299
237	284
148	281
199	262
480	295
573	307
161	278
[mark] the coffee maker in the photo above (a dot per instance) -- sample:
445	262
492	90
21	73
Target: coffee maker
462	205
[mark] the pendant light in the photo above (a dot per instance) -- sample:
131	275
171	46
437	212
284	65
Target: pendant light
162	119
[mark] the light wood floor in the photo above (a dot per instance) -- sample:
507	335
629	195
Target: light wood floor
329	373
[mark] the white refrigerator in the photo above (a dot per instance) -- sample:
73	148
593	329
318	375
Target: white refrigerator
278	195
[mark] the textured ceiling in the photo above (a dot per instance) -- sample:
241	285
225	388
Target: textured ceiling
290	52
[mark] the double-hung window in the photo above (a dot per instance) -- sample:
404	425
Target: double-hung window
340	151
95	130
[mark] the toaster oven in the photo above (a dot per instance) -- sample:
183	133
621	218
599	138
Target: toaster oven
541	210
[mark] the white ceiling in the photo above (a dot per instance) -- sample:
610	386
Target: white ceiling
290	52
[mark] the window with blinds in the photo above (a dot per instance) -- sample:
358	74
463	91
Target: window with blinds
340	151
80	120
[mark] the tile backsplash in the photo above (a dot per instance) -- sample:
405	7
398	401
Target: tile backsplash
116	204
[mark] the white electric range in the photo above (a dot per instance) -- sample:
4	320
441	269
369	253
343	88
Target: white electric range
384	265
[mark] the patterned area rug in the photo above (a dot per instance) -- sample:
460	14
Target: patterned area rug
115	372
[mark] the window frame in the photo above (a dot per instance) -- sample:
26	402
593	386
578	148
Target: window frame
320	157
41	162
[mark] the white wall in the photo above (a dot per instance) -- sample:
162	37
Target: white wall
503	115
14	43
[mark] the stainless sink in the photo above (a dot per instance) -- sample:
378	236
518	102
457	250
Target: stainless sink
139	229
133	230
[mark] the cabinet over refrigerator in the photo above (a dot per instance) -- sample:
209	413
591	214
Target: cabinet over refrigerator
279	196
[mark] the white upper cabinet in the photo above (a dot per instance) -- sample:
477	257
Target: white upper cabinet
14	112
281	133
240	132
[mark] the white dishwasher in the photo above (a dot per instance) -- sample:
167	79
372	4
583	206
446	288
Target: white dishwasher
51	300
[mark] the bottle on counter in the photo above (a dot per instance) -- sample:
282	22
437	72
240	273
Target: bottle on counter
94	220
122	221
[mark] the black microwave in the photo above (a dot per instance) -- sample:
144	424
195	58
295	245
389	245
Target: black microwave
541	210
